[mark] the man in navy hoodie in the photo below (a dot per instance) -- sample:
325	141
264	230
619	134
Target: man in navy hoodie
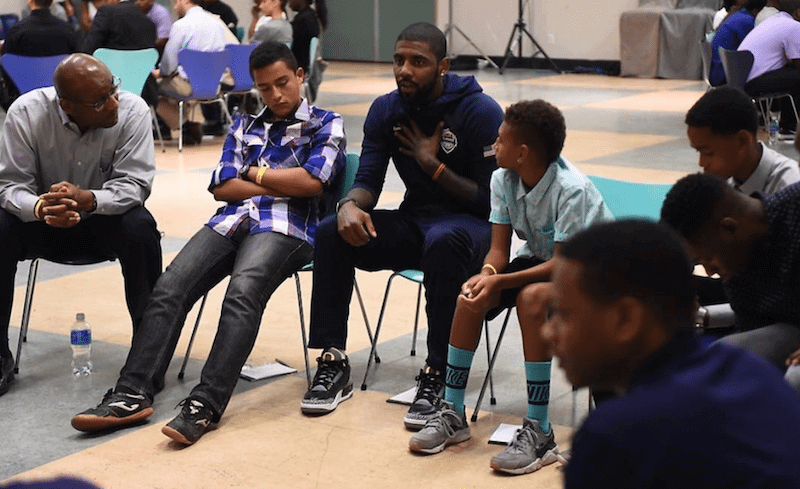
438	129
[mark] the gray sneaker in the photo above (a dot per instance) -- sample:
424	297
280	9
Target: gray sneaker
529	451
445	428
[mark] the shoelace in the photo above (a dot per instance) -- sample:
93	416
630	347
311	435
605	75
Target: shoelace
193	408
429	387
439	421
326	372
524	438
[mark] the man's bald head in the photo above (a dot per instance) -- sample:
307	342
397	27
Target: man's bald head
78	75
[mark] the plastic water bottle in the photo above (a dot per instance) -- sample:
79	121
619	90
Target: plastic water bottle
80	338
773	127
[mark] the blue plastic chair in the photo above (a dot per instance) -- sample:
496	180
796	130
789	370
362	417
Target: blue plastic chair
132	67
204	70
632	199
240	66
31	72
7	21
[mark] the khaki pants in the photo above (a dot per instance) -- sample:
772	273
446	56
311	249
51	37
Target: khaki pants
167	106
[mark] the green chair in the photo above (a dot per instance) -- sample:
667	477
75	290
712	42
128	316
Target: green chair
132	67
632	199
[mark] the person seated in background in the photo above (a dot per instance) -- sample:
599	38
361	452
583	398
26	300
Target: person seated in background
720	15
274	167
224	11
723	127
751	242
437	129
40	33
195	29
730	34
76	166
545	200
775	44
160	17
272	26
306	24
768	11
120	25
687	415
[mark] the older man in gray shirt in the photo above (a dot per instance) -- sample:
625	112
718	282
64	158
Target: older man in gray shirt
76	165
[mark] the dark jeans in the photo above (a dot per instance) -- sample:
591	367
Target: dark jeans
448	249
783	80
132	237
257	264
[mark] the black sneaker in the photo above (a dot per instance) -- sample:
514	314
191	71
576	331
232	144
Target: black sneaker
331	384
116	409
6	374
430	391
194	420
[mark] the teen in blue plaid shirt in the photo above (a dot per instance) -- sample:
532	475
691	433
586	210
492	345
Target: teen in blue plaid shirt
273	169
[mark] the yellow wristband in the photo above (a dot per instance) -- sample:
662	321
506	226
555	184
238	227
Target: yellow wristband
490	267
260	174
438	172
36	209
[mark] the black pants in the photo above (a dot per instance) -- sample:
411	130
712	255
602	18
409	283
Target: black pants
131	237
783	80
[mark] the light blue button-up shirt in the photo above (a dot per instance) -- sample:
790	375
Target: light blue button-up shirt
561	204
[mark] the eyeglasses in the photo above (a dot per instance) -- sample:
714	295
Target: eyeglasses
98	106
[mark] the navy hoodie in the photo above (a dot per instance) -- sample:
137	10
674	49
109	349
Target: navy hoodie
471	121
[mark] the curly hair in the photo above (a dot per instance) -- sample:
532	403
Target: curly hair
690	203
540	125
636	258
725	111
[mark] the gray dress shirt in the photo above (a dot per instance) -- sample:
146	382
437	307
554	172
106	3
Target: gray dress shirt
40	146
774	172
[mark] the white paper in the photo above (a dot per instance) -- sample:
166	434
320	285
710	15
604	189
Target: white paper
265	371
504	434
405	397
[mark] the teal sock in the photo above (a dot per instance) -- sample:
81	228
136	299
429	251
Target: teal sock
458	363
538	376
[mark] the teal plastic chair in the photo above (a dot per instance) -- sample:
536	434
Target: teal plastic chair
31	72
132	67
632	199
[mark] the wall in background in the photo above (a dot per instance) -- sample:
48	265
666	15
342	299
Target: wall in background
568	29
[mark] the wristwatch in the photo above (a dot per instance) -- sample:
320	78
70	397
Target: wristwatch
343	202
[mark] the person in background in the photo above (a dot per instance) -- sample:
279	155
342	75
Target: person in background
768	11
272	26
306	24
40	33
730	34
160	17
224	11
623	320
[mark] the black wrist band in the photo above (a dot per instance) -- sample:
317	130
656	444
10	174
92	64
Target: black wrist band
343	202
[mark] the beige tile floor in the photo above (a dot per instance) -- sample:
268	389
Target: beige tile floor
624	128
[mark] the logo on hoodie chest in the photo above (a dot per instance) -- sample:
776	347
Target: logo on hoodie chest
449	141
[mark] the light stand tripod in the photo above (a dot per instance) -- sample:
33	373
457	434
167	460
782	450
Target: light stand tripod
517	31
448	32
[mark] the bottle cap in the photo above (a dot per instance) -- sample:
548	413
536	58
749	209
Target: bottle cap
80	317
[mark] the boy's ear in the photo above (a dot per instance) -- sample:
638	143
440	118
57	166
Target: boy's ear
524	150
744	137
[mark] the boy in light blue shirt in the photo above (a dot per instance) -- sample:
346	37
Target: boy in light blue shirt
545	200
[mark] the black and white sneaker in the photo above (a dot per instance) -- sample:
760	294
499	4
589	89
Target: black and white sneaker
331	383
116	409
430	391
194	420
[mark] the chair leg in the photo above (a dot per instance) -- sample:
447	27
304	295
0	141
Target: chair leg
191	339
377	330
158	128
492	399
491	366
224	103
366	321
303	327
33	271
416	323
180	126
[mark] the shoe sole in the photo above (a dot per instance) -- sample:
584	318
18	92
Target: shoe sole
97	423
549	458
414	424
176	435
460	437
341	396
